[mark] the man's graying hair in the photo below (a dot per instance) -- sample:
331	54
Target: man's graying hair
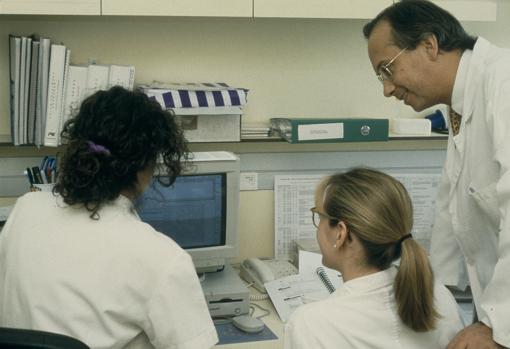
414	20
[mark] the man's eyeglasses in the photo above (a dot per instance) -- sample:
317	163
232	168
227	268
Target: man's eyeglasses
384	72
316	216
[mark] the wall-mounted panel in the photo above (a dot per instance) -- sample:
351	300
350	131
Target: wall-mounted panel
50	7
196	8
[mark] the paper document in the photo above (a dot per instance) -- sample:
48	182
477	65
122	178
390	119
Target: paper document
294	196
310	261
290	292
214	156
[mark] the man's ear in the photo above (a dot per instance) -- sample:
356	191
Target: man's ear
431	46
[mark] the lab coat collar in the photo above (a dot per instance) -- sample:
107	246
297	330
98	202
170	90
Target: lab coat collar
370	282
121	203
475	70
460	82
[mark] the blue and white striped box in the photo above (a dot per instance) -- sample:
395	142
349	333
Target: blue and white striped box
209	112
196	95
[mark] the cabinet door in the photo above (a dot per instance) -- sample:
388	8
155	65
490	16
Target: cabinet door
464	10
50	7
319	8
471	10
198	8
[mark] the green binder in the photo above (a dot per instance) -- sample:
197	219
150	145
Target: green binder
330	130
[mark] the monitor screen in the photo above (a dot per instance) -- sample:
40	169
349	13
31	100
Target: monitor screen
200	211
192	211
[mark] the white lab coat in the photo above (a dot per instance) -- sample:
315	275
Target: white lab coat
471	236
112	283
362	314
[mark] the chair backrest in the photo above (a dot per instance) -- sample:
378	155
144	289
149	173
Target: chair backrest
15	338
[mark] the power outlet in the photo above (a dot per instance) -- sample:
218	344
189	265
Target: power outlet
249	181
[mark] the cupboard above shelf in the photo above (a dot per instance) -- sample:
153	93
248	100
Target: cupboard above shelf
51	7
195	8
465	10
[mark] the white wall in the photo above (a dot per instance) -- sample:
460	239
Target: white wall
293	67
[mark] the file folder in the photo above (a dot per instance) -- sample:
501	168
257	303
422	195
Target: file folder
330	130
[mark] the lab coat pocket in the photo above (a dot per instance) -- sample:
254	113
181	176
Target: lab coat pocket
487	200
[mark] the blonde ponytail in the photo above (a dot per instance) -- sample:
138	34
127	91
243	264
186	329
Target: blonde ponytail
377	209
414	288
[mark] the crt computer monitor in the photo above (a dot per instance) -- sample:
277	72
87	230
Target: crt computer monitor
200	211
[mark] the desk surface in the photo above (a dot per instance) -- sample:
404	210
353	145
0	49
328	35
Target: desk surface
272	321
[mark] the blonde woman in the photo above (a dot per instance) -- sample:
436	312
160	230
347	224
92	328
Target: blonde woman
364	220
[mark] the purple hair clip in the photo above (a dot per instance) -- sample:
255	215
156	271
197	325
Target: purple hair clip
97	148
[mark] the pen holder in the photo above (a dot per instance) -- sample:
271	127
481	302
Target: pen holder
41	187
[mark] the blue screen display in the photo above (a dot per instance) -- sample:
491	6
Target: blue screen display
192	211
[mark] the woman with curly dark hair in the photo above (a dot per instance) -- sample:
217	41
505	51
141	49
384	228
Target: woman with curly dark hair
80	262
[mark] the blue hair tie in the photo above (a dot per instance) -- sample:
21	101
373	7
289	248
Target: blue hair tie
97	148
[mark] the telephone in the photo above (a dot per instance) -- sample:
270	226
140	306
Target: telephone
259	271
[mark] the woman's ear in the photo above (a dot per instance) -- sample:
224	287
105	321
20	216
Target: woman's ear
342	234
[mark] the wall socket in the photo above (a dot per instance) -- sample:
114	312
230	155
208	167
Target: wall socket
249	181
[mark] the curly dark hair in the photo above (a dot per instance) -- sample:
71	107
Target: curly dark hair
414	20
116	134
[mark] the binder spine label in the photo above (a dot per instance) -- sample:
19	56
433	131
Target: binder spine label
320	131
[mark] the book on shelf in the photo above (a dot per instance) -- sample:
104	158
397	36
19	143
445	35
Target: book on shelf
42	90
97	78
32	96
330	130
14	76
75	90
45	90
121	75
56	78
26	54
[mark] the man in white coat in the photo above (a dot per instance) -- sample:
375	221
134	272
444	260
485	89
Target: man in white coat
423	56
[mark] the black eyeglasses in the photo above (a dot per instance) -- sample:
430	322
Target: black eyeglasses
316	216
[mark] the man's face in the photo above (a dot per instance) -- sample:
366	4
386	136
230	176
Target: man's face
411	79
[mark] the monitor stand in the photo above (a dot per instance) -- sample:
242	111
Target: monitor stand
225	293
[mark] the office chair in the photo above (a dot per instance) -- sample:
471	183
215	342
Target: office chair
15	338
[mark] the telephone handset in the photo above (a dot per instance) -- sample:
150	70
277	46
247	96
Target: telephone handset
259	271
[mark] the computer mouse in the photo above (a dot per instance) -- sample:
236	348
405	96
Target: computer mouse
248	324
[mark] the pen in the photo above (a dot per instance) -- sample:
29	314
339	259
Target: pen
30	178
36	175
293	297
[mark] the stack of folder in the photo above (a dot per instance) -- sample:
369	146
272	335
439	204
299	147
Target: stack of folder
45	90
330	130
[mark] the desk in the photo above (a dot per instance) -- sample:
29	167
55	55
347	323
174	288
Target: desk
272	321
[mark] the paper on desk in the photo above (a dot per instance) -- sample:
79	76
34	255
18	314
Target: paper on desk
290	292
310	261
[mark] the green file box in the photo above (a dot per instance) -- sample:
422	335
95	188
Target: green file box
322	130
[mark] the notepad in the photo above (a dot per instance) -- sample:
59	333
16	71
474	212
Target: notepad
313	283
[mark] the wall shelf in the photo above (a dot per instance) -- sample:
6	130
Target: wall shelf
269	146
